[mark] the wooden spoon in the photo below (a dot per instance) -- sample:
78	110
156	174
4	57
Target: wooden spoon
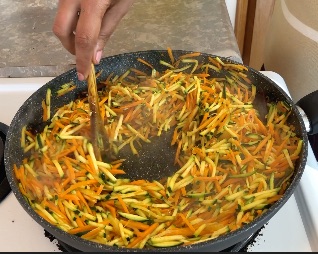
99	136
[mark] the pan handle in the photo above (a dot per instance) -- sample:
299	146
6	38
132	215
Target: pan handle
305	119
5	188
309	112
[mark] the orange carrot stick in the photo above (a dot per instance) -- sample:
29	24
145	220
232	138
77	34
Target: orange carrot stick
185	220
144	234
121	201
145	62
81	229
77	185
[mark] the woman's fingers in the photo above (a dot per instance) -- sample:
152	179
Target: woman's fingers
65	23
112	17
87	32
84	26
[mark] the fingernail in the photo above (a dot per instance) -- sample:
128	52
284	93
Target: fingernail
98	56
80	76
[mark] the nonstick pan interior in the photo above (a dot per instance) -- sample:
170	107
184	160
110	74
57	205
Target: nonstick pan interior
31	113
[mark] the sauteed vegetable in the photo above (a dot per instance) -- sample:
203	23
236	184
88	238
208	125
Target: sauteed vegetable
231	165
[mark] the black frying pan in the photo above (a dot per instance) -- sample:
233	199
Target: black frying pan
31	112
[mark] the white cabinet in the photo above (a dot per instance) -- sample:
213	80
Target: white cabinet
231	8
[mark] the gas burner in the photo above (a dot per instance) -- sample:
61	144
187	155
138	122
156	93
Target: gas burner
239	247
60	244
243	245
67	248
4	184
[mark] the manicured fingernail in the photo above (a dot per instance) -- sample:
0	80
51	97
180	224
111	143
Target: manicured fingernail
98	56
80	76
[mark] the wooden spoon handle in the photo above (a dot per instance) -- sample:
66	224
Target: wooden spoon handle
99	136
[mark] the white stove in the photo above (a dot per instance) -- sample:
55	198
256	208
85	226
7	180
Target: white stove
293	228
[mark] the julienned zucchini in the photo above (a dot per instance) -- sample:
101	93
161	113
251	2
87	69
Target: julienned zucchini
223	230
133	217
251	143
39	141
235	195
165	244
199	195
254	136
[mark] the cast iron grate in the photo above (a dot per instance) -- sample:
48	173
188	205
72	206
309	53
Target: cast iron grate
4	184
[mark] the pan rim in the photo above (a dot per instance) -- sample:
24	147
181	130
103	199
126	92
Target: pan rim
253	226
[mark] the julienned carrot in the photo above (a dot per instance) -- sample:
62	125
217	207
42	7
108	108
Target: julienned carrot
111	209
185	220
77	185
81	229
138	182
132	104
61	206
99	190
91	234
60	125
135	224
190	55
199	151
170	55
70	168
217	135
183	191
145	62
261	144
274	199
260	187
128	115
144	234
138	72
109	202
178	152
123	204
137	232
79	222
71	197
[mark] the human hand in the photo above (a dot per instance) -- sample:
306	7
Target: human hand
84	27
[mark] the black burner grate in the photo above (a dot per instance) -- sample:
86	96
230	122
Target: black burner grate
4	184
